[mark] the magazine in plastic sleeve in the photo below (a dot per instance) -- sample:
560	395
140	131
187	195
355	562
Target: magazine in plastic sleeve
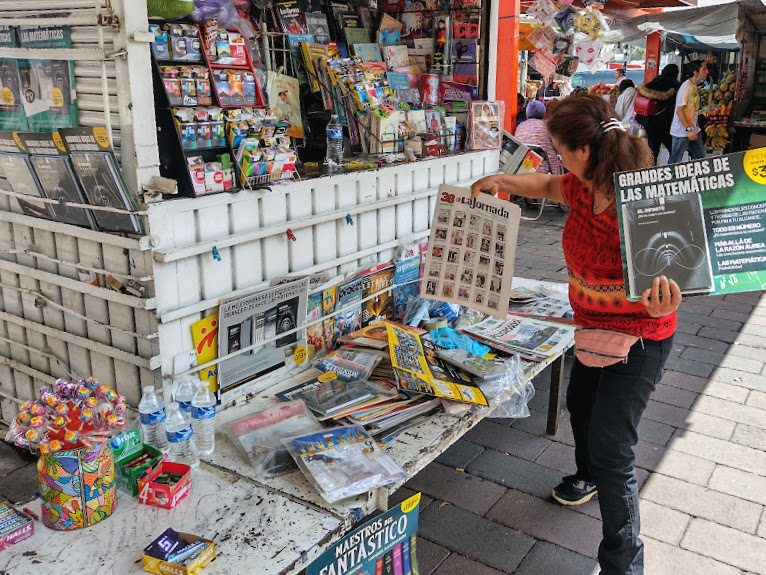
349	364
343	462
530	338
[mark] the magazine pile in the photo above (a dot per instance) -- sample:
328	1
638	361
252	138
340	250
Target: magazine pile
529	338
700	223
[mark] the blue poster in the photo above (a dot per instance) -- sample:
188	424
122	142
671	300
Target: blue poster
385	545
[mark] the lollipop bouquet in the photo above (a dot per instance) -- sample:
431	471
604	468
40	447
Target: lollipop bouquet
68	416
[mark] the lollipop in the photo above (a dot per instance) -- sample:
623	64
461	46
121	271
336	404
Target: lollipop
90	402
86	416
61	409
23	418
44	392
31	435
120	408
37	409
115	421
111	395
59	422
51	400
21	440
54	445
45	448
83	392
27	406
36	421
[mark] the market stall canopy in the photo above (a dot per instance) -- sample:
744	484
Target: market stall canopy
712	26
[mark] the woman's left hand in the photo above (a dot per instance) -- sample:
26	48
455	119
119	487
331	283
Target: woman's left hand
662	298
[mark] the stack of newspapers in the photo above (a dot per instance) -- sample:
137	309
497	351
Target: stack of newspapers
530	338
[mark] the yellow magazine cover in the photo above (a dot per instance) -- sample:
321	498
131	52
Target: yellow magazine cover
205	336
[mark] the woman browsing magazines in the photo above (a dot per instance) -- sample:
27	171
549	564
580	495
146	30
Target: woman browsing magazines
605	403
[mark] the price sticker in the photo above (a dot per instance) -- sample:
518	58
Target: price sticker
300	355
754	164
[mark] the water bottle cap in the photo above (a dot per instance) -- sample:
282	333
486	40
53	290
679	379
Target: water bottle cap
149	389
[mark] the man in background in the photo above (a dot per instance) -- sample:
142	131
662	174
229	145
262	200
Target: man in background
550	90
685	127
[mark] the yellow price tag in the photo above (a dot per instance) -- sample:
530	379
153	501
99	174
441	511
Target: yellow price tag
102	136
327	376
410	504
300	355
526	164
754	164
6	97
57	97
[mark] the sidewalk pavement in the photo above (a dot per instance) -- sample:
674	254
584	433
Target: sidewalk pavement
701	458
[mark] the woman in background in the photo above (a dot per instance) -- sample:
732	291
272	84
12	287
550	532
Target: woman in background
534	131
624	105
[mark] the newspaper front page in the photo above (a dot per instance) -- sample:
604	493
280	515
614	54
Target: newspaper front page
471	252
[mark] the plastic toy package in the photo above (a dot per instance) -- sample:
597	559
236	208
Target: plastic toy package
258	436
510	392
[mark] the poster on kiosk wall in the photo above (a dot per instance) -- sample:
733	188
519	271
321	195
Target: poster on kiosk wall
700	223
247	320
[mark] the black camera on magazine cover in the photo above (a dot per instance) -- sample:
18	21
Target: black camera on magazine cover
286	314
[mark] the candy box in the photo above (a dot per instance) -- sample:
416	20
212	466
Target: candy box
160	566
14	527
131	459
164	484
160	44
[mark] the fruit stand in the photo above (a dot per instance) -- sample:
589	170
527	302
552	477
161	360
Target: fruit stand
716	104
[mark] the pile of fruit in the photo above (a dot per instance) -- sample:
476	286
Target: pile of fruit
720	111
599	89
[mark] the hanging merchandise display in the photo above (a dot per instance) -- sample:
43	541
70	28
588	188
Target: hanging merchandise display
564	36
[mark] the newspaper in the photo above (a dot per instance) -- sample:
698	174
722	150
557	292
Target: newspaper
248	319
471	251
527	337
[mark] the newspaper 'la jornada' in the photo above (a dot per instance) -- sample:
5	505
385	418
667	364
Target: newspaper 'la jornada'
471	252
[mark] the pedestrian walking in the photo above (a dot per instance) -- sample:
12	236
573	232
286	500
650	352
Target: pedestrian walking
605	404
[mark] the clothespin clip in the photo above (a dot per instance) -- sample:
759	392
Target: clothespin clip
349	220
290	234
216	255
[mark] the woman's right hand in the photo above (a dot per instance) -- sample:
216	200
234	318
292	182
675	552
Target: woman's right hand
491	184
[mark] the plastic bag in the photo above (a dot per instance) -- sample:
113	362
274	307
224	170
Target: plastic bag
259	436
444	309
416	311
451	339
509	394
468	316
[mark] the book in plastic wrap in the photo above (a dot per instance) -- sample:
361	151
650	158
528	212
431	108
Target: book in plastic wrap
15	165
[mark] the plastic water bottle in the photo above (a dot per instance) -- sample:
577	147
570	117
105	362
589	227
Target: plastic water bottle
334	155
183	394
152	414
179	432
203	419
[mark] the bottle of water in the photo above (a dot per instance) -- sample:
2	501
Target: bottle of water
179	432
183	394
203	419
152	411
334	155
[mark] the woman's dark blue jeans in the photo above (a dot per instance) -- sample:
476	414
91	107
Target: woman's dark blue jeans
605	406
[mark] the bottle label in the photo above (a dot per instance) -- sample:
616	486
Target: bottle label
184	405
152	418
335	133
203	412
179	436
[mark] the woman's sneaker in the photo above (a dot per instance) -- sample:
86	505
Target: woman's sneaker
573	491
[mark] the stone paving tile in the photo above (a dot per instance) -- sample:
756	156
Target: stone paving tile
738	377
460	454
751	351
661	523
684	381
732	411
700	342
762	526
560	457
475	537
20	485
702	502
731	315
430	555
756	399
723	452
548	521
726	545
458	565
507	440
655	432
707	321
742	484
726	391
674	396
685	467
515	473
663	559
546	558
12	458
537	423
756	328
471	493
724	335
750	436
689	420
688	366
